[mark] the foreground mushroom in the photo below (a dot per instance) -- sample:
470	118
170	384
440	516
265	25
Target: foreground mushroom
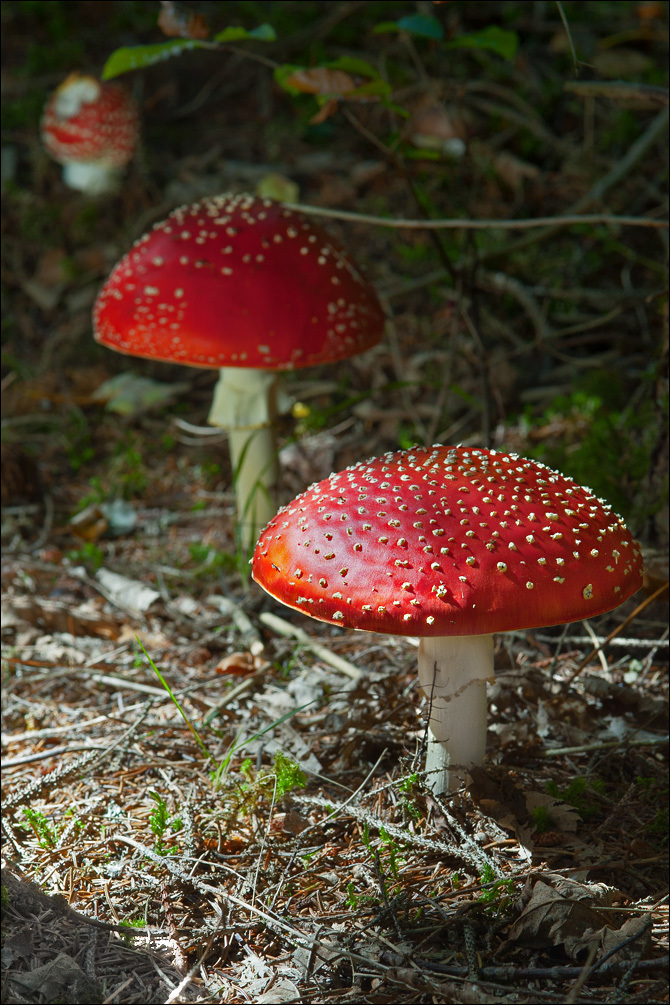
247	286
91	128
449	544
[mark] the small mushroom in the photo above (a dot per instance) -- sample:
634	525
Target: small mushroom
91	128
244	285
449	544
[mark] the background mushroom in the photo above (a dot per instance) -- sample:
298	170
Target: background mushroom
250	287
449	544
91	128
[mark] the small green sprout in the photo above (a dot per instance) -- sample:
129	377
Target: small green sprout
41	827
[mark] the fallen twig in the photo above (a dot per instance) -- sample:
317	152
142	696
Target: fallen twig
288	630
513	974
567	220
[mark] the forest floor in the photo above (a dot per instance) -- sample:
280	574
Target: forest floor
198	806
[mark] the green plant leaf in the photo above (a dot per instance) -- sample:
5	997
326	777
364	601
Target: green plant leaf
134	57
424	154
181	711
374	88
349	64
504	43
421	25
393	107
283	72
263	33
384	27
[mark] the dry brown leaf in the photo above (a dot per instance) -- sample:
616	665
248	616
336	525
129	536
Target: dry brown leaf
89	524
568	914
563	816
58	617
173	21
323	81
241	664
327	109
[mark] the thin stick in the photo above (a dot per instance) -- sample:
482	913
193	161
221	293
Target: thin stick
619	628
467	224
585	748
616	89
286	629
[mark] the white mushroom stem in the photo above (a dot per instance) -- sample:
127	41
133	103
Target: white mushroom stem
246	403
93	177
453	672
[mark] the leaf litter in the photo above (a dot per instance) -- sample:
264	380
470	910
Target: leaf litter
302	858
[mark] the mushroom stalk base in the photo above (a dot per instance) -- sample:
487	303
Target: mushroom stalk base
453	672
92	177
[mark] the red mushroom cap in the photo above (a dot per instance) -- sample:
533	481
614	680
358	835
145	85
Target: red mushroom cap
238	281
448	541
85	120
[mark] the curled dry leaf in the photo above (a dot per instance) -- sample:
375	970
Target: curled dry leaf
241	664
569	914
55	616
322	81
330	86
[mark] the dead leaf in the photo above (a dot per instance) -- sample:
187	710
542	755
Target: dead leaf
294	822
89	524
283	990
128	593
128	394
605	939
649	11
18	946
175	20
241	664
562	816
567	914
53	978
116	517
58	617
638	929
327	109
323	81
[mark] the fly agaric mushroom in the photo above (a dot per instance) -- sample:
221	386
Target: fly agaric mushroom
449	544
91	128
250	287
